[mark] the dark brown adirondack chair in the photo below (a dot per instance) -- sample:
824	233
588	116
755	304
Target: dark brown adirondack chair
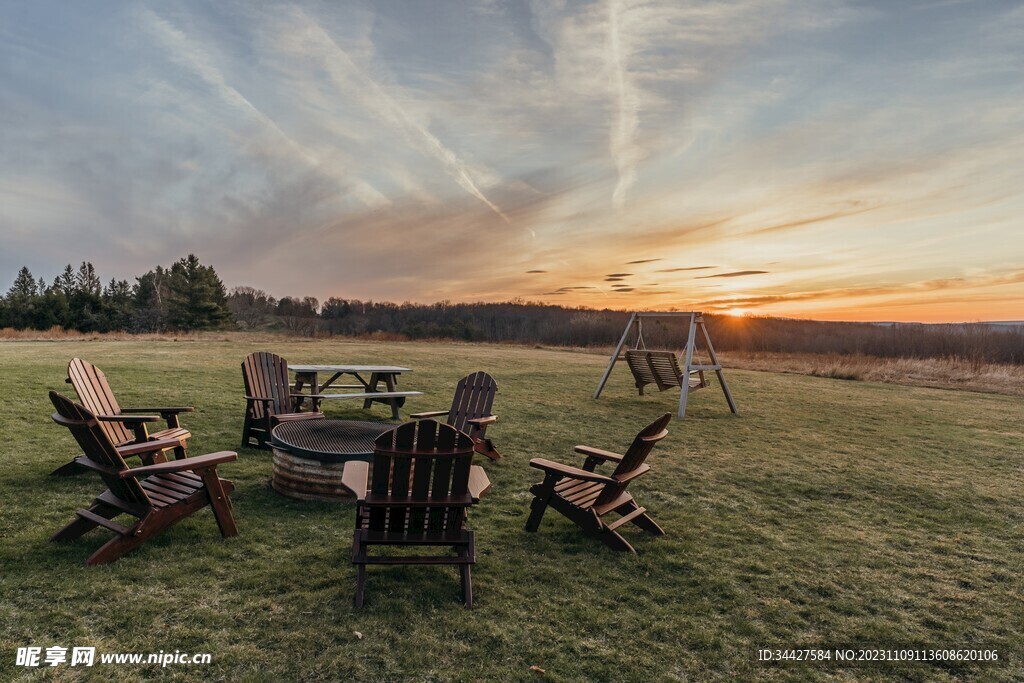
416	493
585	497
471	411
159	495
268	397
124	426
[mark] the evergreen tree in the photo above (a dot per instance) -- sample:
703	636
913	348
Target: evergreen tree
21	301
198	300
152	292
65	282
85	304
117	305
86	280
24	285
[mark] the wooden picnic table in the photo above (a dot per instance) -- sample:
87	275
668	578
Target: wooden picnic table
308	375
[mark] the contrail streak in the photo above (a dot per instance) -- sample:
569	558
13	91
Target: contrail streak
375	98
623	129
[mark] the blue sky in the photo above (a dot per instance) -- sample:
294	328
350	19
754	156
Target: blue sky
844	160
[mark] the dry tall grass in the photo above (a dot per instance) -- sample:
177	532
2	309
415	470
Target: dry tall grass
943	373
968	374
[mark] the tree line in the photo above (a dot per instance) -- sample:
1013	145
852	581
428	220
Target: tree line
190	296
185	296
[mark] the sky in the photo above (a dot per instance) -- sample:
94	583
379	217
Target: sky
832	160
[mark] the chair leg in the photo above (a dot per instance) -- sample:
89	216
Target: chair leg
467	585
592	526
615	541
645	522
486	448
360	584
68	469
219	503
246	437
542	495
115	548
78	526
537	508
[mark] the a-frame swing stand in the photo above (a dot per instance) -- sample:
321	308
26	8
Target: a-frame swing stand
662	367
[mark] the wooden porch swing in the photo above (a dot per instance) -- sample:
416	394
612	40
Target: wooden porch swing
662	368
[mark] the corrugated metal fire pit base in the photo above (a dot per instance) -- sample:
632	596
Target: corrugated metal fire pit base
310	456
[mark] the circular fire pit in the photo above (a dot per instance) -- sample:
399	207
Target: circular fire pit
310	456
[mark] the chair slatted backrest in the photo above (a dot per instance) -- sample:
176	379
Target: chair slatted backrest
418	467
635	456
98	447
95	395
474	396
266	376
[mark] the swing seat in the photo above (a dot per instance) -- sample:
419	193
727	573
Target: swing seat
660	368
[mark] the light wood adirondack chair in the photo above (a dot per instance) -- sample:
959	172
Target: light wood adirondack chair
159	495
586	497
416	493
129	427
471	411
268	397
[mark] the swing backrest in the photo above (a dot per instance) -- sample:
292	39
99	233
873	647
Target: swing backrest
654	367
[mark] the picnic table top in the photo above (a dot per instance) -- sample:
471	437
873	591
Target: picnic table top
380	369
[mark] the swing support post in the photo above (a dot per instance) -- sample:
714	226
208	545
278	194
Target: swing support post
615	355
684	383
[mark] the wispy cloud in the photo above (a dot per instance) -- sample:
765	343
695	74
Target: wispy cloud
353	81
191	56
680	270
735	273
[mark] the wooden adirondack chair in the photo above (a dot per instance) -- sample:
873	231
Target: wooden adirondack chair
585	496
416	493
129	427
471	411
159	495
268	397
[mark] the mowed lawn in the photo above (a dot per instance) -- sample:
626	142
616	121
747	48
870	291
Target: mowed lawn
828	512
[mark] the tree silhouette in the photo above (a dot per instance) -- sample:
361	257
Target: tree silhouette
197	299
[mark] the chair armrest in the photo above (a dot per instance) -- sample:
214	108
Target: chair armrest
173	409
629	476
552	467
148	447
199	462
128	419
428	414
355	477
479	484
592	452
481	421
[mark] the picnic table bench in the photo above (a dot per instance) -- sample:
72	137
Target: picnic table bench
308	375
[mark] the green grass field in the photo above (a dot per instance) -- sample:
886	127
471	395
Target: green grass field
828	513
